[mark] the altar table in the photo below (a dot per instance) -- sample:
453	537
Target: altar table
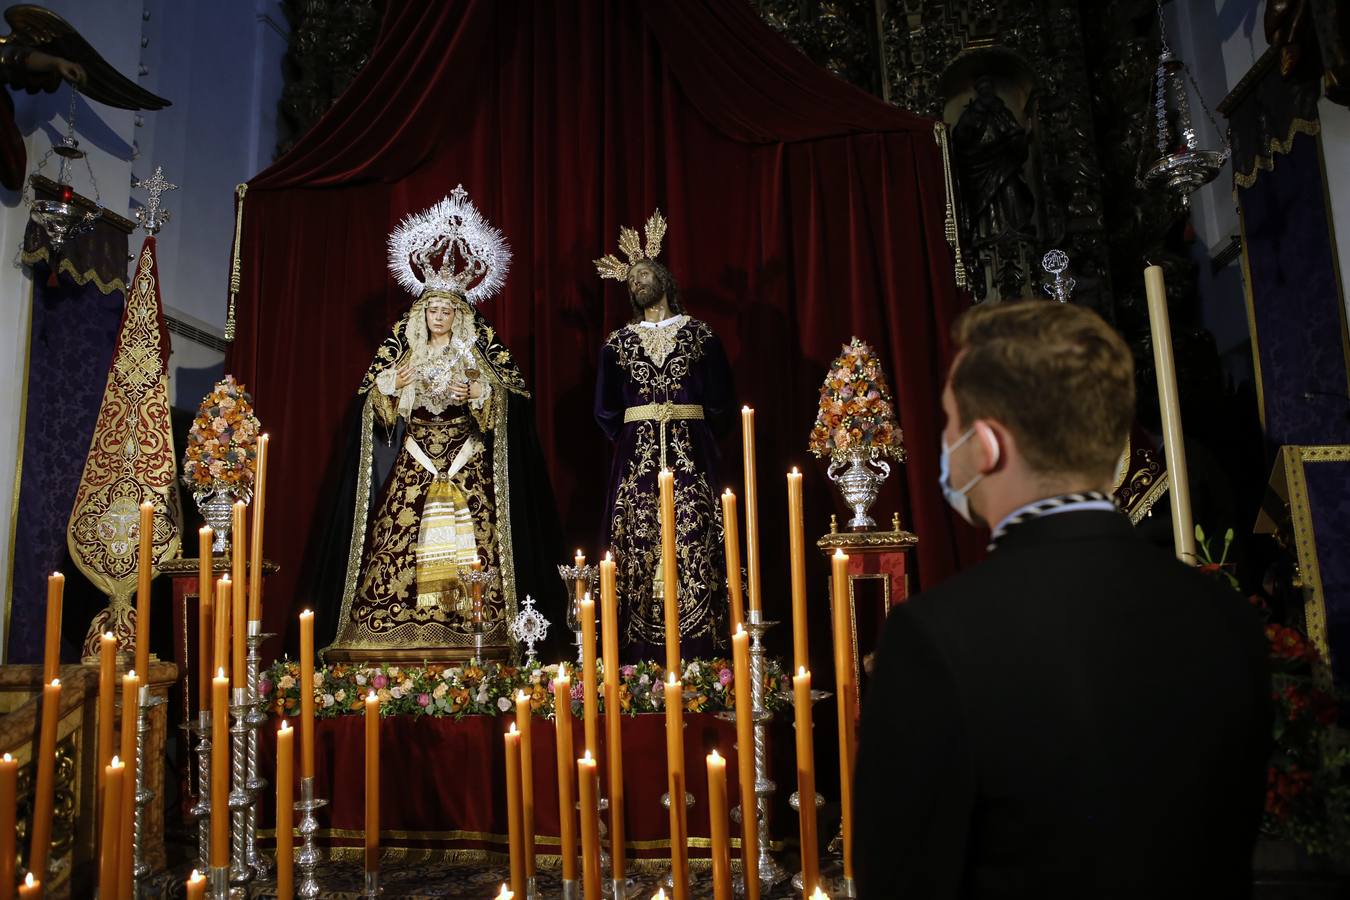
443	788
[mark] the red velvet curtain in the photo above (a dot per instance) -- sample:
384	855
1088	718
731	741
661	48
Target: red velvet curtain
802	211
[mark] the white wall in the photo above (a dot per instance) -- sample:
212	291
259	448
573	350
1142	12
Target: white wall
220	65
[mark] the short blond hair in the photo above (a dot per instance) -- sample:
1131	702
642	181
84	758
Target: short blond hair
1056	375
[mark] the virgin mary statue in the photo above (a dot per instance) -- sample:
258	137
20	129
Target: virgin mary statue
445	547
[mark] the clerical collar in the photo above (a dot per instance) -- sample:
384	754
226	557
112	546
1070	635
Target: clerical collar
663	323
1050	506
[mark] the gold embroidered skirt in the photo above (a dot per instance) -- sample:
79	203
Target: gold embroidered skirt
409	602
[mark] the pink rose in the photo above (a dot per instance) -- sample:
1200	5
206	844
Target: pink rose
423	699
628	671
264	686
379	682
724	677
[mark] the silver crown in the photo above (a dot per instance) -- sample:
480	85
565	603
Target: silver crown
449	249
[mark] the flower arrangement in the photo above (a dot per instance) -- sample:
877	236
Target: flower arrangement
490	688
1308	776
856	410
222	445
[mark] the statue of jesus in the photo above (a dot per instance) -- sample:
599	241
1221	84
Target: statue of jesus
663	395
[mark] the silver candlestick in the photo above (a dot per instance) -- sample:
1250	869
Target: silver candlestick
827	872
794	801
307	860
219	882
771	872
139	867
202	808
254	783
240	798
669	881
371	886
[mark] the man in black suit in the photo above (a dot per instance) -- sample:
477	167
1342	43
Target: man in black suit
1079	715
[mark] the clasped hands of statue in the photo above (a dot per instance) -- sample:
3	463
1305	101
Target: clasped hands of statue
460	389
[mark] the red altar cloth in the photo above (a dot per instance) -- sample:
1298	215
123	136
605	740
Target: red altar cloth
442	782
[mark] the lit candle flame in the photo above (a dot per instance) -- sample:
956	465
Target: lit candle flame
839	554
107	634
116	761
30	882
284	726
801	671
505	894
220	673
715	756
673	680
9	758
795	472
521	695
196	877
371	695
56	682
512	729
740	629
587	758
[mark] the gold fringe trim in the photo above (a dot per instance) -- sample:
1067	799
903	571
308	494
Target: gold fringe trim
239	191
949	223
42	254
422	855
1265	162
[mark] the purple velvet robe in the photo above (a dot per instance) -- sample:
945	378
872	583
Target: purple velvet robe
681	363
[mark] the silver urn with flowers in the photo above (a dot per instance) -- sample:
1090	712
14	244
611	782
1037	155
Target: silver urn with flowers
856	428
221	458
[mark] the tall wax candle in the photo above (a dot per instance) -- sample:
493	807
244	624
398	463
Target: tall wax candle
307	694
256	542
9	800
580	560
1174	443
107	699
523	725
220	770
797	556
220	655
588	778
196	887
751	506
609	632
590	710
113	777
285	813
131	692
206	611
567	816
238	620
144	563
44	793
372	782
670	574
239	549
679	821
745	762
514	825
51	650
719	826
845	692
731	540
806	782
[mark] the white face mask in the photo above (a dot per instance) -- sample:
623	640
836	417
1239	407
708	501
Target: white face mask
958	499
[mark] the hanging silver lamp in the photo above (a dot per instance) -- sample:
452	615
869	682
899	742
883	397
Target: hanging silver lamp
1181	166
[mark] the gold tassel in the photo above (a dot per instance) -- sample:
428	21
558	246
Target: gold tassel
949	225
239	191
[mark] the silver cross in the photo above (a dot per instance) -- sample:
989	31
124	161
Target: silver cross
151	216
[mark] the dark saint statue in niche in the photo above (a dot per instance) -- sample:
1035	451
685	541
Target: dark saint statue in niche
991	150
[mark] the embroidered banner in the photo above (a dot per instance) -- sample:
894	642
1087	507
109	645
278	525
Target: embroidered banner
131	459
